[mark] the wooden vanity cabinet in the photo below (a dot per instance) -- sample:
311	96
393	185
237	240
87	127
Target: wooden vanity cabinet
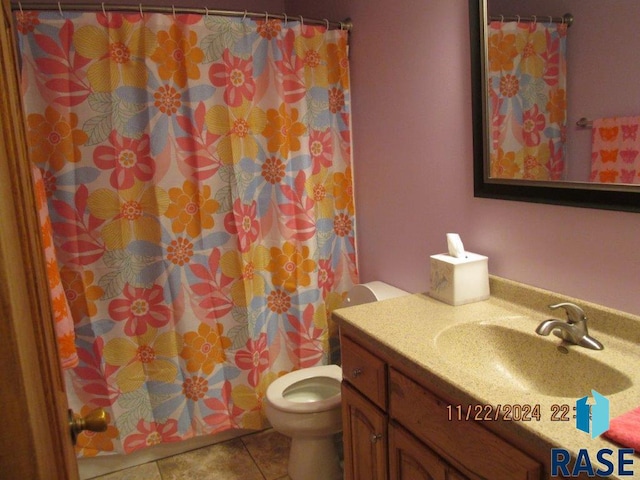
396	428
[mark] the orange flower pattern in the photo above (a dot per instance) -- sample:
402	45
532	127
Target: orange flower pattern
54	138
197	173
191	209
178	55
291	267
205	348
283	130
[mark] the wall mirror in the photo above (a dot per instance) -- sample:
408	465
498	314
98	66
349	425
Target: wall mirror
600	85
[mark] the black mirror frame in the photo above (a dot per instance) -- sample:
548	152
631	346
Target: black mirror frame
607	197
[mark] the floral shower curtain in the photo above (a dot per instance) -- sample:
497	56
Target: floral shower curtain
198	177
527	100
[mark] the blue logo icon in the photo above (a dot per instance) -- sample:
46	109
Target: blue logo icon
593	418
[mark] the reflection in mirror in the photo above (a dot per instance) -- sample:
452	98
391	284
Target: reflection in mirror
557	109
527	100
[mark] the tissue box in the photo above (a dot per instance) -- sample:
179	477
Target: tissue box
457	281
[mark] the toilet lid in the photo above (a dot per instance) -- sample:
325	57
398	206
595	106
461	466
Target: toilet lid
313	389
359	295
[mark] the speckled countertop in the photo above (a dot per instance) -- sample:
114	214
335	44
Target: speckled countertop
441	345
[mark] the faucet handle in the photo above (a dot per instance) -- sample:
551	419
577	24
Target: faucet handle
575	314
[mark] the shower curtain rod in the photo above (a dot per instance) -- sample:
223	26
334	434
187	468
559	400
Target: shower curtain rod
566	18
91	7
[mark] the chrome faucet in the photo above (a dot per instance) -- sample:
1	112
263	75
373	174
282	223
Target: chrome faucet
574	330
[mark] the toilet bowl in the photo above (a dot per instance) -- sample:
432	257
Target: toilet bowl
306	406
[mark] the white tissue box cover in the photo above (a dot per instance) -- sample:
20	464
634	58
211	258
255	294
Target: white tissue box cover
457	281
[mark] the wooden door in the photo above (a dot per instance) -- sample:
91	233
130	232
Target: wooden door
35	442
365	437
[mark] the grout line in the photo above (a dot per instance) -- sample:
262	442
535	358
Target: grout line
244	445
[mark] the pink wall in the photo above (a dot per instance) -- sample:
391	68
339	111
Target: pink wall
412	166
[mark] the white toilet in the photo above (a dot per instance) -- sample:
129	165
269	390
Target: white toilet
306	405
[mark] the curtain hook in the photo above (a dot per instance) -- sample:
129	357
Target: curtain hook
60	9
327	23
535	19
20	7
104	12
518	17
173	10
266	17
141	13
286	19
301	21
550	19
244	17
206	11
501	18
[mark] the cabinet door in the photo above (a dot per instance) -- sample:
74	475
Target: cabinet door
409	459
365	437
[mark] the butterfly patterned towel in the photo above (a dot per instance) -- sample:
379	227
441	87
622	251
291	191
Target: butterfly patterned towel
615	150
65	333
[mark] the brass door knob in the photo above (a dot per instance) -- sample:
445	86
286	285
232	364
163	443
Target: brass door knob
95	421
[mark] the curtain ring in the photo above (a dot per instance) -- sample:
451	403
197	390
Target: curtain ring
141	13
60	10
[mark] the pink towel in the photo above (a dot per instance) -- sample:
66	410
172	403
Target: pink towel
625	430
615	150
65	332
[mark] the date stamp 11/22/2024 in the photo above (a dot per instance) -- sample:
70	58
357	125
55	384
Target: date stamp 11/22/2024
515	412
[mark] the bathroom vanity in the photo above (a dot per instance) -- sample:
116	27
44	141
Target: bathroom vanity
435	391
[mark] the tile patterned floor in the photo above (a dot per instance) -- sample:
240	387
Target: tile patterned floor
260	456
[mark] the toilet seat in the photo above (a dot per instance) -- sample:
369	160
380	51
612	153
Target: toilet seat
313	389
